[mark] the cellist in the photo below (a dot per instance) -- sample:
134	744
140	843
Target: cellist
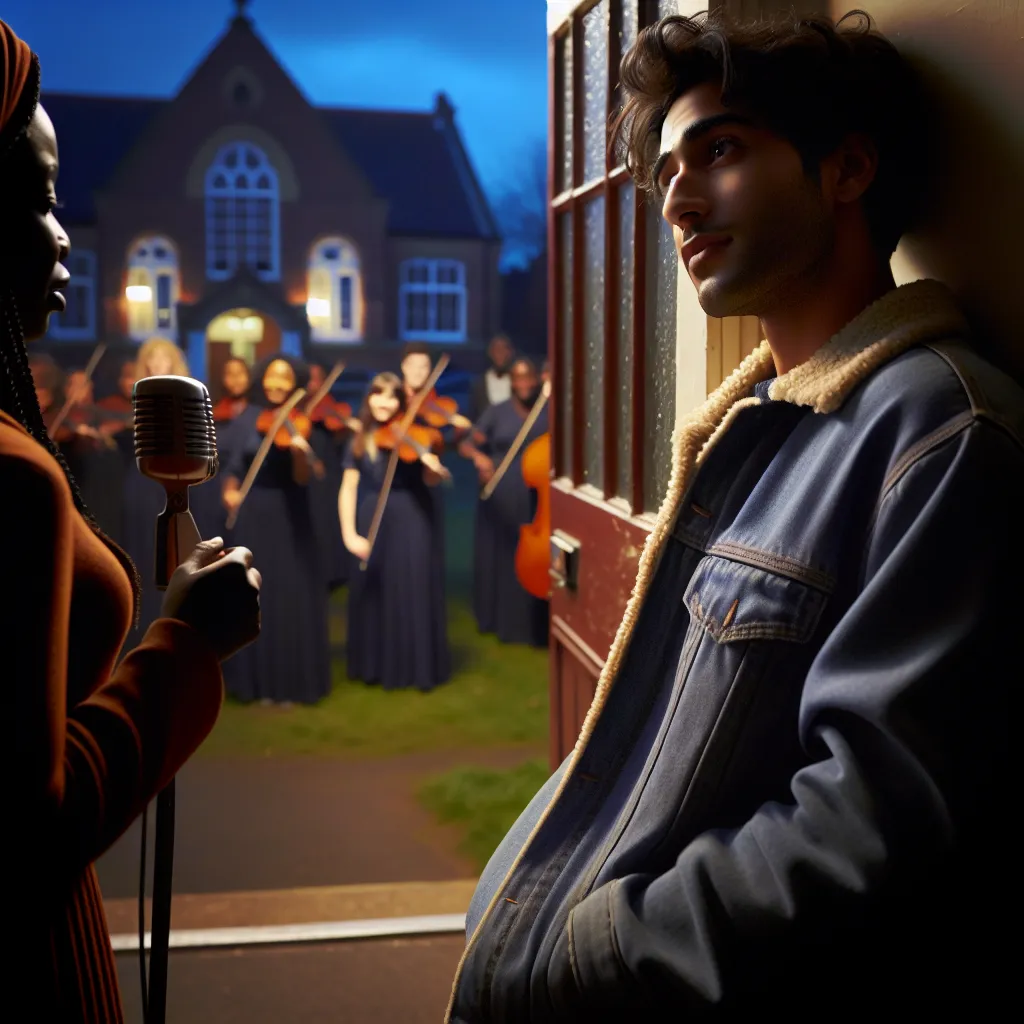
397	616
500	603
290	661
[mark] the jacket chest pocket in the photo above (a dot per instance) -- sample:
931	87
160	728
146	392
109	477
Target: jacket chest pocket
746	645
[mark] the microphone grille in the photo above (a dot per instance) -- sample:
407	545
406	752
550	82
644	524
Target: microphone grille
173	417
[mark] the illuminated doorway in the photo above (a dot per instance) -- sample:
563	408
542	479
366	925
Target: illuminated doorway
243	333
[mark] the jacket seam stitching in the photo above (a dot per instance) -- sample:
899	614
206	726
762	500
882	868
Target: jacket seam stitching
788	567
921	448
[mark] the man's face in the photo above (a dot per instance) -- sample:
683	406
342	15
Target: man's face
236	378
740	194
500	351
416	370
278	381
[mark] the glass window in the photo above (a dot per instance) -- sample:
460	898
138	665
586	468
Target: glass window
432	300
78	321
334	302
153	289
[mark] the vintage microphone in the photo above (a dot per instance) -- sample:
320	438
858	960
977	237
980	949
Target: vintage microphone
175	445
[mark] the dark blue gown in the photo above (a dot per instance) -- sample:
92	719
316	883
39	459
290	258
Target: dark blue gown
324	497
397	615
205	499
290	662
500	603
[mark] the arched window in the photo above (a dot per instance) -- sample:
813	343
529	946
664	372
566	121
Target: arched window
335	303
432	300
153	289
242	214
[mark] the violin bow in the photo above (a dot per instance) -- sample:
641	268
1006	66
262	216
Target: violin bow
410	414
69	400
261	453
524	430
321	392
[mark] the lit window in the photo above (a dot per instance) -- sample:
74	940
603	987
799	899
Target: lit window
432	300
242	214
153	287
334	305
78	321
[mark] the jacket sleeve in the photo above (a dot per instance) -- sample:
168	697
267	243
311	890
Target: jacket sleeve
905	714
83	774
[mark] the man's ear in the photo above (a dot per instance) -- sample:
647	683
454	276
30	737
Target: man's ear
851	167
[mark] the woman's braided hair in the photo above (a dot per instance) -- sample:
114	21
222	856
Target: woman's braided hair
17	391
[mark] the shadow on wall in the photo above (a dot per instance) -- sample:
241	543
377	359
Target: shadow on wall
972	58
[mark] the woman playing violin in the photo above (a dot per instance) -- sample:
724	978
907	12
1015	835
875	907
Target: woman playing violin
290	662
500	603
397	620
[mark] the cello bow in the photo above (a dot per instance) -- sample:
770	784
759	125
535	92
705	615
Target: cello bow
524	430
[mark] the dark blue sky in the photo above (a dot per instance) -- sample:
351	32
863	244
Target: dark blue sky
488	55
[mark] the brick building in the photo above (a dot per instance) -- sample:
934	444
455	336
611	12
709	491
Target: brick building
237	217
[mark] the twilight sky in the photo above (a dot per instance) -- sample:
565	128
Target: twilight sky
489	56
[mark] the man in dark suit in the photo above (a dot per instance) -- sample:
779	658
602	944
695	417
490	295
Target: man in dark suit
494	385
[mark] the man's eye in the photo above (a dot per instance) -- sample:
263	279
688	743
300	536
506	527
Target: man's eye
721	146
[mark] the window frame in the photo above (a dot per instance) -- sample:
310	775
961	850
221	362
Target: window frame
147	270
347	266
88	283
569	464
432	288
232	194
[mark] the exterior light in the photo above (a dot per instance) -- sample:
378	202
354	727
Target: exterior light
139	293
235	324
252	323
318	308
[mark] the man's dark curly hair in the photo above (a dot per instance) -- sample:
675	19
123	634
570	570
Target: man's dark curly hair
809	80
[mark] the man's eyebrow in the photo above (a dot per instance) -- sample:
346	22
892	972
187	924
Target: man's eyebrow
694	131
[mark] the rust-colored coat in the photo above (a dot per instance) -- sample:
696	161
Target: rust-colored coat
93	743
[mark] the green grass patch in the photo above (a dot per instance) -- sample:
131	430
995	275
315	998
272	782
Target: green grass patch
497	696
483	803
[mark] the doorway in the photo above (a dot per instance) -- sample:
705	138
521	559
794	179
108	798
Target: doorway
238	333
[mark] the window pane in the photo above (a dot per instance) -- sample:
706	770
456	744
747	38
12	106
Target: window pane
345	286
448	308
628	32
417	317
667	7
565	413
627	210
595	90
163	300
660	358
593	342
77	313
563	93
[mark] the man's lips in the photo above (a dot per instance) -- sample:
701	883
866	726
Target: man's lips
696	245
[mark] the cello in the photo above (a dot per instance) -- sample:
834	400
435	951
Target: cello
533	553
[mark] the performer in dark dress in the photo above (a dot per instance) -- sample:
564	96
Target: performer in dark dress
332	422
500	603
397	615
492	386
290	662
206	500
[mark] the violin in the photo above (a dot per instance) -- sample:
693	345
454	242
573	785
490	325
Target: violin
297	424
413	445
533	553
228	408
333	416
439	411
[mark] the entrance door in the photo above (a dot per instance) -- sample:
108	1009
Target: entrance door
615	343
245	333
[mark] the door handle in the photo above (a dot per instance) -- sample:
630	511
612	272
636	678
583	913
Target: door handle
565	560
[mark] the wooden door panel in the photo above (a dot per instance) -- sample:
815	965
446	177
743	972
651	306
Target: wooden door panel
573	683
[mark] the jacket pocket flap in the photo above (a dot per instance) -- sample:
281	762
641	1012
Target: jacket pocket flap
733	602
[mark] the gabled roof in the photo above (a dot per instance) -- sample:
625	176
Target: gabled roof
416	161
93	135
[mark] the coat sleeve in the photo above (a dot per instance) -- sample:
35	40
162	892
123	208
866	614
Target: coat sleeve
904	714
83	774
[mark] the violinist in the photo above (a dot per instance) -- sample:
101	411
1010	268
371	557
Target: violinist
500	603
437	411
397	618
332	423
290	662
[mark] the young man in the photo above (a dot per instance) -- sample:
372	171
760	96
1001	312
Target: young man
790	795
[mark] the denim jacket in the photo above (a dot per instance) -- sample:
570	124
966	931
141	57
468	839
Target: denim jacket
789	791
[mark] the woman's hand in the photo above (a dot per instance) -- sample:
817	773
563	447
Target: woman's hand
231	498
217	593
358	546
484	468
435	466
299	443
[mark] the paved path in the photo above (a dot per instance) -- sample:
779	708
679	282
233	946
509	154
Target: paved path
390	981
246	824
